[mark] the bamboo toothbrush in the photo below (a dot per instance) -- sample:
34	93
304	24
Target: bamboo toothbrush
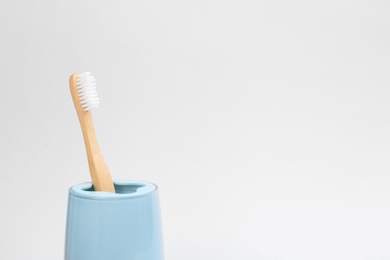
83	89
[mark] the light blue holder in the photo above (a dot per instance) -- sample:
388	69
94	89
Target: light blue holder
107	226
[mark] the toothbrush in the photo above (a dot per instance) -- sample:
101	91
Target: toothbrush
83	90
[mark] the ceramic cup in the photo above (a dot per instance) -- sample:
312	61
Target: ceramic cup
107	226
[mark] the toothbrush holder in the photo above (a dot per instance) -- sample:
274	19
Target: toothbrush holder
125	225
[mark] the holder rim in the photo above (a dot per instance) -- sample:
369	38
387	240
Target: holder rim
83	190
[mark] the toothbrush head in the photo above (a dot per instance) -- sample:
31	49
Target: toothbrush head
86	89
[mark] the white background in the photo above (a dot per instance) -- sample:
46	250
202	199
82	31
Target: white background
264	123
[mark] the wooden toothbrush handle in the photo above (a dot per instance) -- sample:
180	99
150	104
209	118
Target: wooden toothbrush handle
101	178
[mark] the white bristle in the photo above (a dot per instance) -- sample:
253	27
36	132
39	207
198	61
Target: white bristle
86	88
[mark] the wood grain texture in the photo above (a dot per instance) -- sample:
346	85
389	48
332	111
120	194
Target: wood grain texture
101	178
